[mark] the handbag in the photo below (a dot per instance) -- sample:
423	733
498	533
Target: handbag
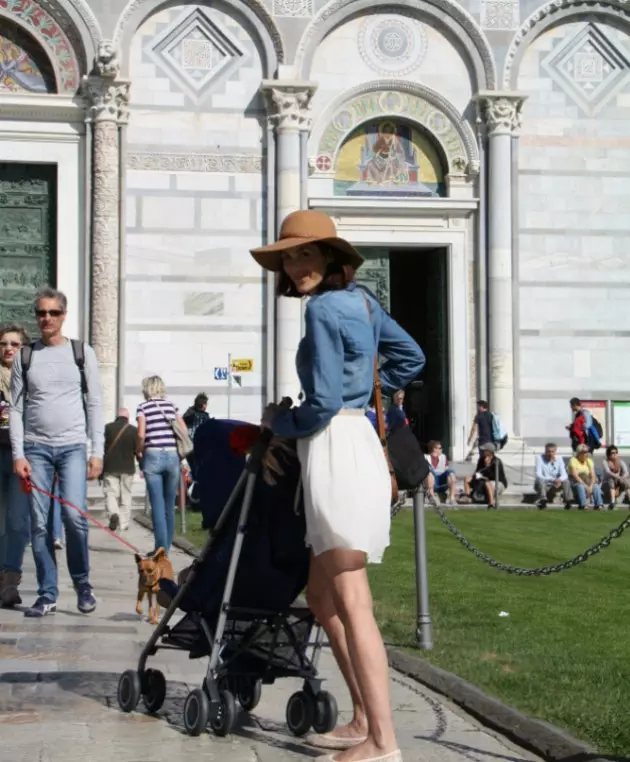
183	441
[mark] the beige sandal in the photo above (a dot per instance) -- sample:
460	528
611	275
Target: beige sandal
393	756
331	741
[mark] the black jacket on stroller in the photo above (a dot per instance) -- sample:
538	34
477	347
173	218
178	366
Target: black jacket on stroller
273	565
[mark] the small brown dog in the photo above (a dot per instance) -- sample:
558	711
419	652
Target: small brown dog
151	569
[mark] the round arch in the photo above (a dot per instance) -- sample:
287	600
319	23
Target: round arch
253	12
447	13
612	11
68	50
398	100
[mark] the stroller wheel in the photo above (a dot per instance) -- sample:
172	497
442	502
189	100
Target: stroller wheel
129	690
196	712
325	712
223	722
153	690
300	713
248	693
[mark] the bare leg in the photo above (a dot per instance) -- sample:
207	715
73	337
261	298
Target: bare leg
347	577
430	485
468	486
490	492
452	484
320	601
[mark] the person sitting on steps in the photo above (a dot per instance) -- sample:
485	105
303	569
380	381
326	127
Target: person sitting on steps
483	485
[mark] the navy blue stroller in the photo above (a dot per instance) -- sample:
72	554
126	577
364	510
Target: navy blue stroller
239	594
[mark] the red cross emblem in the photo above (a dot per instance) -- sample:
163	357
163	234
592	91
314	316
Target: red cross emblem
323	163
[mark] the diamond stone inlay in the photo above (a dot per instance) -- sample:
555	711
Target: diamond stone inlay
590	67
196	52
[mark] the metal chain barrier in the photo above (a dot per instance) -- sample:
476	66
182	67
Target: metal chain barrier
544	570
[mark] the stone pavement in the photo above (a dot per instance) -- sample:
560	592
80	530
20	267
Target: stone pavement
58	679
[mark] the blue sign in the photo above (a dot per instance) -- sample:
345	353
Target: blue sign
220	374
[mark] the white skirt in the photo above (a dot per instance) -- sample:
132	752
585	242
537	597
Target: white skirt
347	487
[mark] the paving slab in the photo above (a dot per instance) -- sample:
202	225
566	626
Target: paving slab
58	679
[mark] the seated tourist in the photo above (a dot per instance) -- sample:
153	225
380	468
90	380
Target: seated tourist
551	477
584	479
441	478
489	479
616	479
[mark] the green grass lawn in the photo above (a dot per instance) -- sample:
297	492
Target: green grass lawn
562	654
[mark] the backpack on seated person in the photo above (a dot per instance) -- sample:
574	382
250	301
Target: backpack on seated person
499	434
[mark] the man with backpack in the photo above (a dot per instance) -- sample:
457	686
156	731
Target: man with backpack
56	406
584	429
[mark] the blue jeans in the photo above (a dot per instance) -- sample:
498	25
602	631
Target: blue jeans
579	490
15	522
57	524
70	463
161	474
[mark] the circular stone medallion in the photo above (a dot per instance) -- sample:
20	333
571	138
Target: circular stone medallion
392	44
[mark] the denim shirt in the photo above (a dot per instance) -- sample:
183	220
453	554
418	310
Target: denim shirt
335	359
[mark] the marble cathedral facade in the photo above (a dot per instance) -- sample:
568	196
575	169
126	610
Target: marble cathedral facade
478	151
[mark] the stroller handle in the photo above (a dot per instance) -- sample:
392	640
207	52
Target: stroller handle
259	450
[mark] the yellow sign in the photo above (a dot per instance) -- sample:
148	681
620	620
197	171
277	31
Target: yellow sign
242	366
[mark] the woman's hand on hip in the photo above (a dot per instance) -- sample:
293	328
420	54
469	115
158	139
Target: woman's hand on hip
272	410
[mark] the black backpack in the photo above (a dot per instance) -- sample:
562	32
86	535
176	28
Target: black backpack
407	459
78	351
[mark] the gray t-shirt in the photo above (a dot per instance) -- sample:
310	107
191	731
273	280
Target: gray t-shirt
54	408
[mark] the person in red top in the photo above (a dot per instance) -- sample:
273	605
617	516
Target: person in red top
578	429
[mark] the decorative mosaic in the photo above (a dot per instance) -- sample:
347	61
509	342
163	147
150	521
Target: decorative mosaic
293	8
590	67
500	14
50	34
195	52
402	105
24	66
388	158
392	44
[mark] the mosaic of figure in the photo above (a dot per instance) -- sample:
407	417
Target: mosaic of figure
23	67
387	158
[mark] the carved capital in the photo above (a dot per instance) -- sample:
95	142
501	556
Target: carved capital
108	99
289	104
500	111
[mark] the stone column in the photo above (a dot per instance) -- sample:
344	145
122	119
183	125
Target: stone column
108	97
501	114
288	105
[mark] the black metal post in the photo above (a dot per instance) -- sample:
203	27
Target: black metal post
424	636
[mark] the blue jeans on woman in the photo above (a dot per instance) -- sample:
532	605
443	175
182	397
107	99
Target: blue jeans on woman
15	516
579	490
162	473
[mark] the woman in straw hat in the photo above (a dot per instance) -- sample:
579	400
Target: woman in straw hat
346	482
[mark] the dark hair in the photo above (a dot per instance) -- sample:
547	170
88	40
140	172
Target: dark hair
200	400
575	401
336	277
609	450
551	444
15	328
433	443
483	404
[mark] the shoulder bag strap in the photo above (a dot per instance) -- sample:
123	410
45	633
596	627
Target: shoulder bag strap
117	438
378	389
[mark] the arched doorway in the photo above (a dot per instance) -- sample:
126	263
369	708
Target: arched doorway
391	159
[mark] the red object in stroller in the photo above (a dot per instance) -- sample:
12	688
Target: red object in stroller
247	646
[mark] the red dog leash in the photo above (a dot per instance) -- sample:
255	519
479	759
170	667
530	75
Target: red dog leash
28	487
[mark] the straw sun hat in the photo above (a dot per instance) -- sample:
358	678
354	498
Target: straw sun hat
300	228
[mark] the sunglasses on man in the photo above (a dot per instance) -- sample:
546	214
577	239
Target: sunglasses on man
52	313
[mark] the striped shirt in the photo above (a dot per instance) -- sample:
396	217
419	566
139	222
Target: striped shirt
159	432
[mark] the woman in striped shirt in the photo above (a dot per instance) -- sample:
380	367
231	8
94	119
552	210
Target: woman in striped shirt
157	452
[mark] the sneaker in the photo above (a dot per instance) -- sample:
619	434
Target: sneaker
451	502
58	544
86	602
612	506
114	522
41	607
541	503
